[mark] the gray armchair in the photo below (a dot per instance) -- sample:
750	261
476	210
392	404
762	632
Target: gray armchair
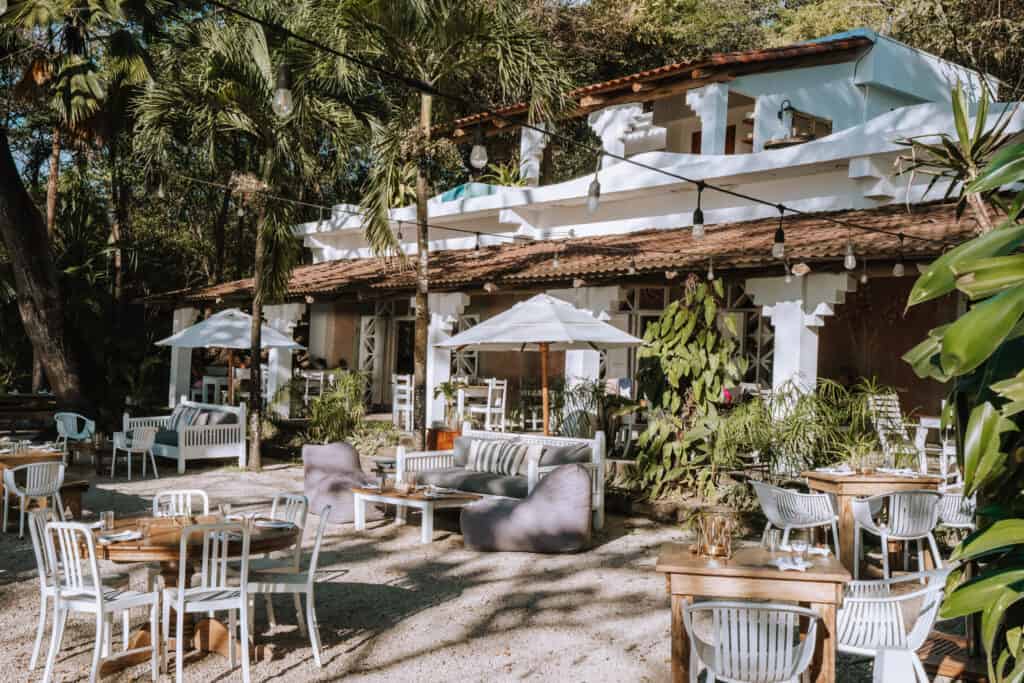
330	472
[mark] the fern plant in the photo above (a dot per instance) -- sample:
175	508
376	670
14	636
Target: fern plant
337	413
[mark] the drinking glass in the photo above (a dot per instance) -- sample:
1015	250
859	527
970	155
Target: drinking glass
225	510
107	520
773	539
799	546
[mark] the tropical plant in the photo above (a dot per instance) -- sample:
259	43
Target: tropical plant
370	438
981	354
337	413
699	360
959	160
506	174
449	389
448	45
221	99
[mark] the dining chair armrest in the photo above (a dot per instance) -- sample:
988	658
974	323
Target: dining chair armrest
861	508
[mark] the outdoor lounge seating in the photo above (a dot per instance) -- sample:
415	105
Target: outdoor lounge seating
196	431
73	427
912	516
554	518
452	469
330	471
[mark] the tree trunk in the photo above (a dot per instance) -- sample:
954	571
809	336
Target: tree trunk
256	333
422	336
51	224
35	280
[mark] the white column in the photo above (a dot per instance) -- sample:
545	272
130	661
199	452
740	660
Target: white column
282	318
320	319
181	359
711	104
797	309
611	124
445	310
531	154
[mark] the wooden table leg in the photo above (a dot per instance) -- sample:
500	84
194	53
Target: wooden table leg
680	640
823	664
846	527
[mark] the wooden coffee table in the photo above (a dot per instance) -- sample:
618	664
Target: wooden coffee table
418	500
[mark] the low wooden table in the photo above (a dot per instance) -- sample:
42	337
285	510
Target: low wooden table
162	545
750	575
846	487
417	500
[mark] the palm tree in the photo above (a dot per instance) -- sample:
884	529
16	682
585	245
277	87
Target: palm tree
216	99
453	46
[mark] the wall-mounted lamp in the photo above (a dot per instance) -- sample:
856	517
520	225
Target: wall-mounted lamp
785	108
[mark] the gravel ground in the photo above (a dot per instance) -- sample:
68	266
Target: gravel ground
390	609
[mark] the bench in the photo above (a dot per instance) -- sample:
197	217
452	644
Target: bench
202	431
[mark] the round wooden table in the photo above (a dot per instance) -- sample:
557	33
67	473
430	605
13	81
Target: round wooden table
162	544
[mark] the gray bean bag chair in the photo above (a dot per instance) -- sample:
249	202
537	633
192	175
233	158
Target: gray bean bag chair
329	473
555	518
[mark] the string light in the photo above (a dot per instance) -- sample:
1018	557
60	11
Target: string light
478	155
476	246
671	274
850	259
594	191
864	272
554	261
779	245
711	270
789	273
283	104
632	266
698	214
900	269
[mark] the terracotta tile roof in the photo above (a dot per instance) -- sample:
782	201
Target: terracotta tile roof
732	246
694	69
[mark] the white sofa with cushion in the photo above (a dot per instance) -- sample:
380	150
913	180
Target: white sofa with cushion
460	469
196	431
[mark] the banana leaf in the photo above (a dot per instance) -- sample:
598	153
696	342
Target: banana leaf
969	341
989	276
939	279
992	616
982	441
1004	533
974	595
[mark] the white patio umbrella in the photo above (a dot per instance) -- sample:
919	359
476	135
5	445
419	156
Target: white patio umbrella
543	324
230	329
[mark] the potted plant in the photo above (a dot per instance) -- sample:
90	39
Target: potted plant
450	391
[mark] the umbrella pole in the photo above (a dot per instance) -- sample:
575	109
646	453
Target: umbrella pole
544	386
231	378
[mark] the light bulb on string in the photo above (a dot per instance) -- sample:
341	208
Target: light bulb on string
283	104
711	270
476	246
554	261
899	270
478	155
698	214
632	266
789	274
594	191
779	244
864	272
850	259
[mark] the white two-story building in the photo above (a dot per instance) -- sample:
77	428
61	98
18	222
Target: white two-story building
815	126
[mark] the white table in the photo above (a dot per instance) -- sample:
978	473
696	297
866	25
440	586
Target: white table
418	501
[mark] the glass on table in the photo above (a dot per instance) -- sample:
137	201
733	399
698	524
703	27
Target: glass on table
798	544
224	509
107	520
772	540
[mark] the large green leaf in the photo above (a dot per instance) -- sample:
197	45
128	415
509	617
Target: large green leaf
970	340
939	279
1007	166
992	616
985	277
1005	532
924	357
974	595
982	440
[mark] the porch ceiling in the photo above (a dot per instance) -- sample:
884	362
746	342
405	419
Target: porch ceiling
743	245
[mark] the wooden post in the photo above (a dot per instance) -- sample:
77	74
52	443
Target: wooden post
231	377
544	386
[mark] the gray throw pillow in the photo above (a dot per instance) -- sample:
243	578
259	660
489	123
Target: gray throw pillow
461	450
565	455
176	415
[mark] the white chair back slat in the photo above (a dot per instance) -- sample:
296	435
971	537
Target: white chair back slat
41	478
215	555
290	507
79	574
912	513
957	511
181	502
37	521
142	438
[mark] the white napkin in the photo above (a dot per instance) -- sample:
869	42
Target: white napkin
119	536
812	550
791	564
905	472
837	469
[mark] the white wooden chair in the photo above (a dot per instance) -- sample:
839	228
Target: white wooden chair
493	411
79	588
944	451
73	427
37	521
887	418
912	516
42	480
957	511
786	509
139	440
889	620
402	401
750	642
297	583
212	591
180	502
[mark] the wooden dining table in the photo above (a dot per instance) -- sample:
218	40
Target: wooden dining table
846	487
161	543
751	575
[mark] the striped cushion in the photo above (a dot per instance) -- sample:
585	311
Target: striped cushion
497	456
177	415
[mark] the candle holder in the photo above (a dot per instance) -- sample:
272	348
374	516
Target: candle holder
714	528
